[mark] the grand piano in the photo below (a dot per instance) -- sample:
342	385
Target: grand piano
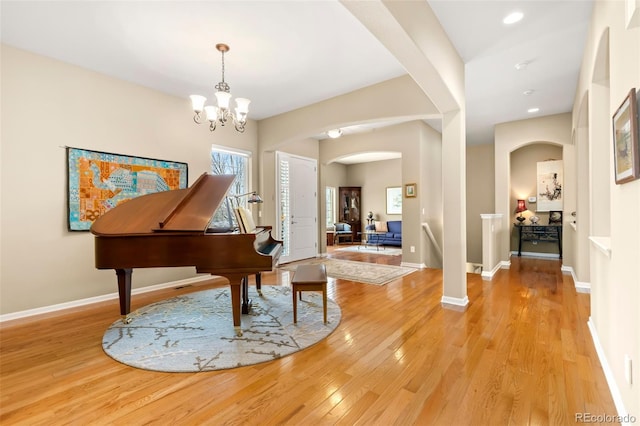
169	228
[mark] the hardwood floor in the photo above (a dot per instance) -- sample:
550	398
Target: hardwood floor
521	354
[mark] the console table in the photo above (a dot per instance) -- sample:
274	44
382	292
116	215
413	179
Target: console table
539	233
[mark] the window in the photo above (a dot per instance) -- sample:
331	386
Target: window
330	203
285	206
225	161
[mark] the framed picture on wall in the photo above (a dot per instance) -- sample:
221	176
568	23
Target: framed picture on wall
549	184
99	181
410	190
394	200
625	140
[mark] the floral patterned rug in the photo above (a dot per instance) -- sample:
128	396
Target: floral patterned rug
362	272
194	332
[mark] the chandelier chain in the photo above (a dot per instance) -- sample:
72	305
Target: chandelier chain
222	86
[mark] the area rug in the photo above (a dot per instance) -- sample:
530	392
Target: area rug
387	251
362	272
194	332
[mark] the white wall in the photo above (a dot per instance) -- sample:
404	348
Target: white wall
47	105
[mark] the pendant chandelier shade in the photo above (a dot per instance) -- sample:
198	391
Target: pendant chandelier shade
222	112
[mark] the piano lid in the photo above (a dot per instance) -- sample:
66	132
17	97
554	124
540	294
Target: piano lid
182	210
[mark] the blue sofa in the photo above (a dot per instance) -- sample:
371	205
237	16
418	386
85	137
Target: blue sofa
393	236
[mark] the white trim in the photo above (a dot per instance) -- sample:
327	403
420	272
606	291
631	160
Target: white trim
505	264
608	373
581	287
489	275
413	265
603	244
455	301
96	299
536	254
491	215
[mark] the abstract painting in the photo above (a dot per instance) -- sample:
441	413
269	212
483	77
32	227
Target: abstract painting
100	181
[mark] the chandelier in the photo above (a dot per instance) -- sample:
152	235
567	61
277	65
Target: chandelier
221	113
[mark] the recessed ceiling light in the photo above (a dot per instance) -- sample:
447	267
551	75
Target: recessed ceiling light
512	18
335	133
528	92
532	110
522	65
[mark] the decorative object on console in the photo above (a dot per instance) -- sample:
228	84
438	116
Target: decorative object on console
555	218
91	192
534	219
519	209
626	140
369	218
221	113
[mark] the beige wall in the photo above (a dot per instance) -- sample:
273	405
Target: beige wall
610	67
374	178
47	105
480	200
523	180
554	129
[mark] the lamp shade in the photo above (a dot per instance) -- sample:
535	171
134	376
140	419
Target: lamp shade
521	206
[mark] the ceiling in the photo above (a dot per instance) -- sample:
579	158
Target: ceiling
288	54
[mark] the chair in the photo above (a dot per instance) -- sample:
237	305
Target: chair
343	231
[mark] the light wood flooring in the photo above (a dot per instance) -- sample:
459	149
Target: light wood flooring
521	354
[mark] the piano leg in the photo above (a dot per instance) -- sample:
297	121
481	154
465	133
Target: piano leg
235	282
259	283
246	302
124	291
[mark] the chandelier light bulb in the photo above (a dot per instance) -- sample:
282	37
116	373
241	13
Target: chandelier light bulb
197	102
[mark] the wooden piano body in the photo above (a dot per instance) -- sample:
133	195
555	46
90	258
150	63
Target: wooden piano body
168	229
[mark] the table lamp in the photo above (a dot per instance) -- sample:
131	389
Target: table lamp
519	209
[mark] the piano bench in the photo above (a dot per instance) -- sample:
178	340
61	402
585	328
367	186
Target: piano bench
309	278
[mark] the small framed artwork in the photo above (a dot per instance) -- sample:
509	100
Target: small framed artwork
555	217
394	200
625	140
410	190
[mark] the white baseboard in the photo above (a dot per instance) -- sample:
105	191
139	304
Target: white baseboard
608	373
505	264
489	274
581	287
96	299
455	303
413	265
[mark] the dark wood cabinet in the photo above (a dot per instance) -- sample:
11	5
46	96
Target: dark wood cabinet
349	203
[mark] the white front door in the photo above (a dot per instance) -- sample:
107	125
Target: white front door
298	206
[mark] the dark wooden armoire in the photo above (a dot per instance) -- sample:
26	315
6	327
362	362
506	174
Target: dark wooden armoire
349	203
